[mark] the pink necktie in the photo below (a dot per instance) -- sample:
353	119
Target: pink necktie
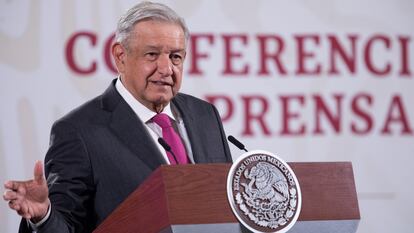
172	138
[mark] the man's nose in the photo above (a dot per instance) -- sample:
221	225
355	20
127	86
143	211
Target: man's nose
164	65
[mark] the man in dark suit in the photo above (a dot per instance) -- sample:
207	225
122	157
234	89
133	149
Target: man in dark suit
103	150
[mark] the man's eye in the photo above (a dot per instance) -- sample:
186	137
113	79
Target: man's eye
151	55
176	59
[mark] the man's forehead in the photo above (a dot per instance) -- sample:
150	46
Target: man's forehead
156	27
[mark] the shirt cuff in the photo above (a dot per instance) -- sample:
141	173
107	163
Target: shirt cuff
35	226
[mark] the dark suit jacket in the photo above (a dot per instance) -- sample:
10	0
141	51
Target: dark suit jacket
101	152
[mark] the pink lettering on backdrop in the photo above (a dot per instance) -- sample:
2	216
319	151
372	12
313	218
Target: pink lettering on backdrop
266	54
271	52
306	46
230	54
288	115
195	54
256	110
362	113
277	56
70	56
338	51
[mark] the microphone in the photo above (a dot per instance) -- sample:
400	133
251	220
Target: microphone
167	147
236	143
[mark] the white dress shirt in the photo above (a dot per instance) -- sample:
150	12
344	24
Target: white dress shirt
146	115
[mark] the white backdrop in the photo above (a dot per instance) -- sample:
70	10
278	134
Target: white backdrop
307	80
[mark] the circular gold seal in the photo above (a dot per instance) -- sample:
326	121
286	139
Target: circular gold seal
263	192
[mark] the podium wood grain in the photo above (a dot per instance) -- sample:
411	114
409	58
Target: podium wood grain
196	194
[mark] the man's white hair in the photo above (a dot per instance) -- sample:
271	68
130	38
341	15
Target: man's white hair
146	11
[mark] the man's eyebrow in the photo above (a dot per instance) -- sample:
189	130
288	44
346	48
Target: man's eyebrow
158	48
177	50
152	47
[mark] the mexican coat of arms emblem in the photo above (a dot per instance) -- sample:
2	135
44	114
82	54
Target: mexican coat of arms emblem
263	192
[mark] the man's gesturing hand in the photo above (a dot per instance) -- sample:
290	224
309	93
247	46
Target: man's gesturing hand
29	198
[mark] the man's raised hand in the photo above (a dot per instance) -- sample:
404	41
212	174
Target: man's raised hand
29	198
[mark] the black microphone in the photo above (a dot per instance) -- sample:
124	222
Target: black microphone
236	143
167	147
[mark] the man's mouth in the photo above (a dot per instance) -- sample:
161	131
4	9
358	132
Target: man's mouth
161	83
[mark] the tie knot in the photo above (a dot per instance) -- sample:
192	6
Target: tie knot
162	120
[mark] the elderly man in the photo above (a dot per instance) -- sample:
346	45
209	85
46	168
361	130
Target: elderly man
103	150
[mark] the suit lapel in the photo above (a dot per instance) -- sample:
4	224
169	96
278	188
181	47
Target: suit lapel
129	128
192	128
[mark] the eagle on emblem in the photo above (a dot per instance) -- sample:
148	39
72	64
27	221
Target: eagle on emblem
266	183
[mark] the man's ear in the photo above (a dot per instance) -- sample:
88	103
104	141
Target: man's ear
119	53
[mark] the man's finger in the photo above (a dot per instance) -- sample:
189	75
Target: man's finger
14	205
9	195
8	184
13	185
38	172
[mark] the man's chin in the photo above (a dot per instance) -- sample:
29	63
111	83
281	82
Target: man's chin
159	103
162	99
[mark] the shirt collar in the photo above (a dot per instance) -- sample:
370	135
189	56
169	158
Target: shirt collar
142	112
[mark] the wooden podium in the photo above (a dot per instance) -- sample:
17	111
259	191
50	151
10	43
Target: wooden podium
193	198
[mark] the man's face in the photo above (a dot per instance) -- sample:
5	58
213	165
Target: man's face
152	65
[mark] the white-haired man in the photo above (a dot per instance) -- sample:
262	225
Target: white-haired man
102	151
